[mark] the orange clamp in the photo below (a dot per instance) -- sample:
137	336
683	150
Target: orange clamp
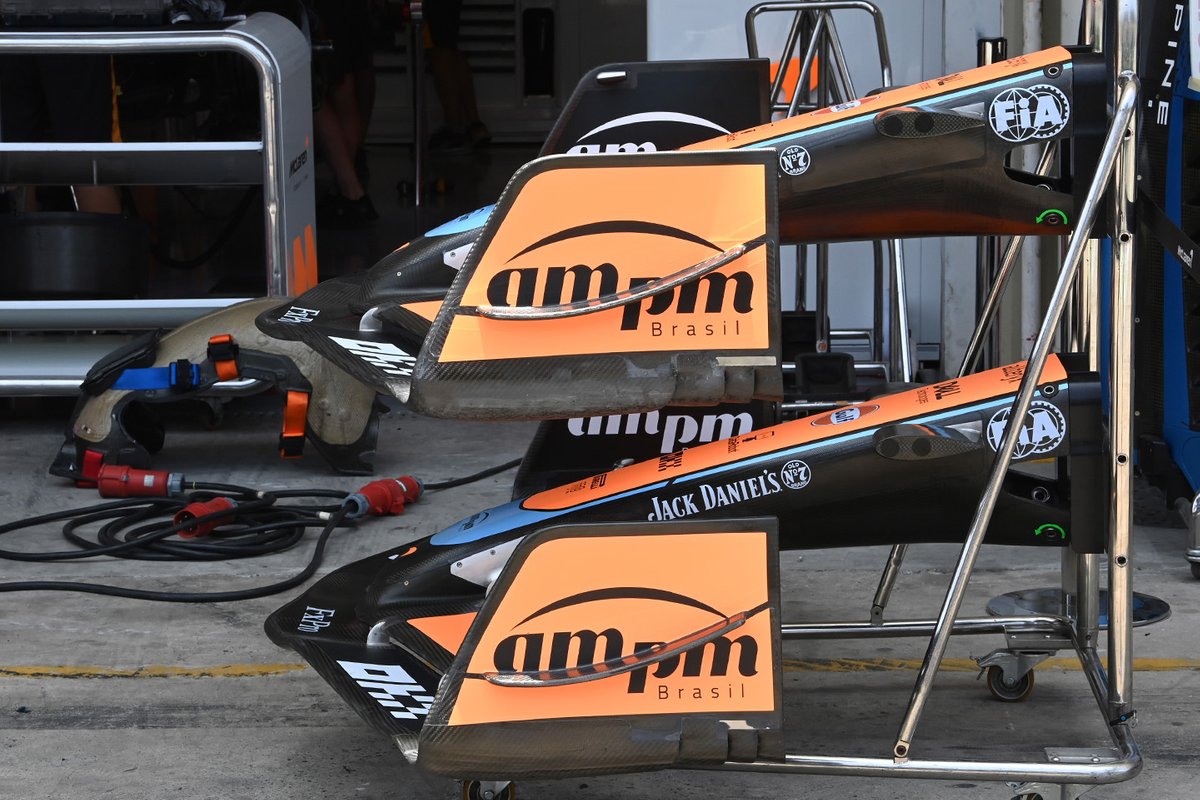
291	441
223	353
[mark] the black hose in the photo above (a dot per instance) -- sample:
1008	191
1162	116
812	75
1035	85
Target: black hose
135	528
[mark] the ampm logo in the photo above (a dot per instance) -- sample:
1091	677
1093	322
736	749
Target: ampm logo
580	649
642	118
548	285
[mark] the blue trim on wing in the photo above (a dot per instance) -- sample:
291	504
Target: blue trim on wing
466	222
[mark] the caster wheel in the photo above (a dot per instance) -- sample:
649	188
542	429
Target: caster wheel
474	790
1009	691
1034	796
1196	570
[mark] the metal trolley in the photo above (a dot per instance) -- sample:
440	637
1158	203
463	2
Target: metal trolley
1068	773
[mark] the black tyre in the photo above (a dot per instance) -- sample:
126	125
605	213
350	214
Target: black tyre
1009	691
1196	571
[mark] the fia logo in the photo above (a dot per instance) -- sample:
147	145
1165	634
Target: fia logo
1042	430
1039	112
794	160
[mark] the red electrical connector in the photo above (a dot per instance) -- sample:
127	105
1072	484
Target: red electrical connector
384	497
117	481
196	510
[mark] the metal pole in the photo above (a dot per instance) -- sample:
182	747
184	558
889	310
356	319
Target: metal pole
881	316
417	15
987	248
1037	360
887	581
802	80
1087	328
904	343
1120	570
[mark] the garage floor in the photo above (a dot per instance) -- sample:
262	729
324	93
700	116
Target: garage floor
105	697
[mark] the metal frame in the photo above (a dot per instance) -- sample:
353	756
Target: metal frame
1112	689
280	57
813	22
1068	770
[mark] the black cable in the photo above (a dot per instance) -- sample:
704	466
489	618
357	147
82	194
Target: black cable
487	473
188	597
223	236
256	525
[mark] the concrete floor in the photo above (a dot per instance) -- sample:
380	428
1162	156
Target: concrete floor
117	698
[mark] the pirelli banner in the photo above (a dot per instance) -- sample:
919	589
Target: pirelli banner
604	284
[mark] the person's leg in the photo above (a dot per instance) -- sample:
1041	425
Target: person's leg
349	206
364	91
449	67
344	101
452	79
335	147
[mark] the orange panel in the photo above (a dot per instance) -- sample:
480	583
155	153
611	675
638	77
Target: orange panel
426	309
635	590
448	631
614	228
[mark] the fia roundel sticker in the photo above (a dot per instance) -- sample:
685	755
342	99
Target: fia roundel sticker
1042	430
1039	112
794	160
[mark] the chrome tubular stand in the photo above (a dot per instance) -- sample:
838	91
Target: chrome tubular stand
1076	625
1111	690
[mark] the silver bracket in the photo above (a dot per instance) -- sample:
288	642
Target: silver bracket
1082	755
1014	665
407	743
1031	643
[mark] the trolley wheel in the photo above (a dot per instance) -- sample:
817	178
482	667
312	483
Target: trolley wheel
1195	570
473	790
1010	691
1033	796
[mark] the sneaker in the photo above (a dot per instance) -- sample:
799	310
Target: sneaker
337	212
